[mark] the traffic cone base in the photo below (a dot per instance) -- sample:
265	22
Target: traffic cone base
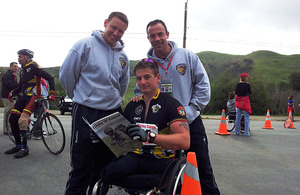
292	125
223	126
268	121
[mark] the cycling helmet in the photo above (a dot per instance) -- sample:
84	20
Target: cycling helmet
26	52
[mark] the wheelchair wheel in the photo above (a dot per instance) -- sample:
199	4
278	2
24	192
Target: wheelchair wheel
100	189
230	122
174	183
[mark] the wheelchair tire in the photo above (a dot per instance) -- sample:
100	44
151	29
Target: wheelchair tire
111	189
174	182
230	123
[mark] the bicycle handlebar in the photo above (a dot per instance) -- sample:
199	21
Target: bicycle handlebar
61	100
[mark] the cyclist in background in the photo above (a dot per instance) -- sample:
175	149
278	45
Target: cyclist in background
29	89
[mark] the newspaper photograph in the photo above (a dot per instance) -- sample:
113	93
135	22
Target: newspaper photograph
111	130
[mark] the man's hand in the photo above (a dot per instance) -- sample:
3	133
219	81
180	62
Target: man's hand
51	97
136	98
136	132
11	96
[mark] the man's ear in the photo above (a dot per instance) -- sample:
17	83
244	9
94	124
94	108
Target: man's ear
105	22
158	77
167	35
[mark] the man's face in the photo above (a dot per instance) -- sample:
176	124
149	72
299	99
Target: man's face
147	82
114	30
22	59
14	68
157	36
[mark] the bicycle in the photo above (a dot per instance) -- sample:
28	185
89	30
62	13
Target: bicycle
46	125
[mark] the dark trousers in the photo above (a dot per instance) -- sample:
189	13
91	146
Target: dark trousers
199	145
88	153
135	171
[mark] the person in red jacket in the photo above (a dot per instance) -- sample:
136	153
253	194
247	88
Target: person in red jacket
242	104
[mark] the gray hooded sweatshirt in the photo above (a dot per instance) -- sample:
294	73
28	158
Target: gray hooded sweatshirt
94	74
190	81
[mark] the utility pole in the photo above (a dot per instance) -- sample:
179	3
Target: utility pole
185	19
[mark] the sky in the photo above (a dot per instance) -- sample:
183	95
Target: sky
50	28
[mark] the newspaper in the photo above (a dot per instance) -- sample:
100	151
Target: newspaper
111	130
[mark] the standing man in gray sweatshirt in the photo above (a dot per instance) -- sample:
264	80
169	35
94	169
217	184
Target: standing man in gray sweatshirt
184	77
95	75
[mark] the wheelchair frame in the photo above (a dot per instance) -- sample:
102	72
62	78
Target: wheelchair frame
170	182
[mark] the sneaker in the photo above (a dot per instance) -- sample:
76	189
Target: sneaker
13	150
22	153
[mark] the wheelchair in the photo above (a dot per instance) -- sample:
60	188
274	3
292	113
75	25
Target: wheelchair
230	121
169	184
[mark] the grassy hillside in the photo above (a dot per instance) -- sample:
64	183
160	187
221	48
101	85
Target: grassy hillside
270	65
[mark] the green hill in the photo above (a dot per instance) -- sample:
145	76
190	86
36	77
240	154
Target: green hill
270	65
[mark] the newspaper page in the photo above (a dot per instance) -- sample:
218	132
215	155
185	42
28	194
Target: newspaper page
111	130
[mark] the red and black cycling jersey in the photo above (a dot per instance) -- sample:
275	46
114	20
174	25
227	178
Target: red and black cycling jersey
163	110
30	77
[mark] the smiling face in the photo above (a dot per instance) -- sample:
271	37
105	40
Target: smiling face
147	81
114	30
158	36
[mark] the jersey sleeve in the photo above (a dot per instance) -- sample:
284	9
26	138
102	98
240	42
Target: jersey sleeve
176	111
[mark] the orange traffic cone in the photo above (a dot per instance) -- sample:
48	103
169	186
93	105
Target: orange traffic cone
191	182
223	126
292	123
268	121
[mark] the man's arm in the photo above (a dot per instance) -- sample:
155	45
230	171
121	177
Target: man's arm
180	139
124	80
201	95
49	78
7	80
69	72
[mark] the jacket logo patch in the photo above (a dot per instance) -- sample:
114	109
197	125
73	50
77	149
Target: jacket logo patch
28	69
181	68
181	111
139	110
156	108
122	62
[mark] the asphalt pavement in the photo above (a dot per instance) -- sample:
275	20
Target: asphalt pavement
267	162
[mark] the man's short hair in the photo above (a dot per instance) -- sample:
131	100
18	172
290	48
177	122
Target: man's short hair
156	22
12	63
147	63
120	15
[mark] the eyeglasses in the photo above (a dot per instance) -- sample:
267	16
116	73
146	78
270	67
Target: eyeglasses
148	60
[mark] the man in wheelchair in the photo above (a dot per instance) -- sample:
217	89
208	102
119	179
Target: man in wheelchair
144	167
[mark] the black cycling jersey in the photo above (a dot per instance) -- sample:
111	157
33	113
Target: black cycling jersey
163	110
29	76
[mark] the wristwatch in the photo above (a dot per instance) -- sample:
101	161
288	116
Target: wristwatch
152	137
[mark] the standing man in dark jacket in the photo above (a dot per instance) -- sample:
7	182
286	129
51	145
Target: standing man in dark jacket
9	82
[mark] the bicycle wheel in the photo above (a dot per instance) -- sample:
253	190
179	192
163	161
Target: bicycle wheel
53	133
8	127
230	122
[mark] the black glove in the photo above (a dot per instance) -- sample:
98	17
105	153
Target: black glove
136	132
